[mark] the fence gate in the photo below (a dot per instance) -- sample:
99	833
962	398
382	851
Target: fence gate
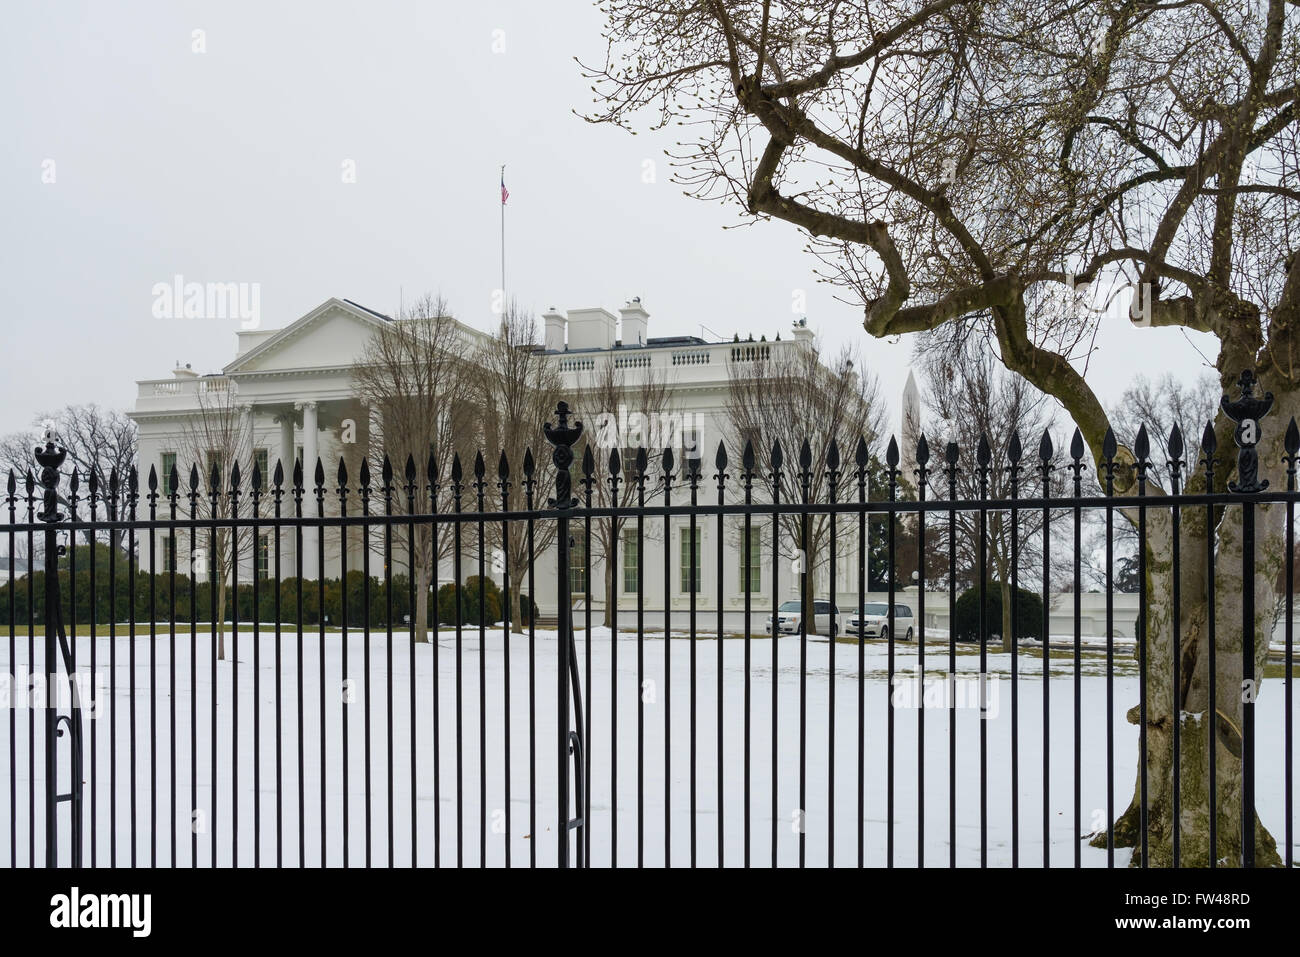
58	654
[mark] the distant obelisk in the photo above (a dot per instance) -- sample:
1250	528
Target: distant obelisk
910	430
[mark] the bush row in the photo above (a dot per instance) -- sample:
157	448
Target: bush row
116	598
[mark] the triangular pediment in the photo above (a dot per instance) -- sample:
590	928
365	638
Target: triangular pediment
333	334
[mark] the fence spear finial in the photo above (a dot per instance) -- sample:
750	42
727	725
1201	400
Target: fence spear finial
50	459
1246	410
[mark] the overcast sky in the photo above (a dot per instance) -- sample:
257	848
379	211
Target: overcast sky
227	166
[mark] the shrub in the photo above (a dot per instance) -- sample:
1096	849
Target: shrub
1028	610
470	613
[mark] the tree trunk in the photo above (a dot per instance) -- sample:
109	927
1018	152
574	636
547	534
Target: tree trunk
517	569
807	607
515	605
1196	712
220	623
611	596
1007	612
422	602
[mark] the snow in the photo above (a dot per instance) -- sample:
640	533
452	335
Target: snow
665	697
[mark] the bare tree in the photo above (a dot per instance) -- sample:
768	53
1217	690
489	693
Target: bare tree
1160	406
1163	404
413	375
216	440
516	388
973	400
618	406
781	394
959	162
98	441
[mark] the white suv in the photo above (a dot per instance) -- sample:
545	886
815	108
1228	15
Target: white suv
874	622
826	618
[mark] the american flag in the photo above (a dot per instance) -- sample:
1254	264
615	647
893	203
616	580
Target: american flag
505	193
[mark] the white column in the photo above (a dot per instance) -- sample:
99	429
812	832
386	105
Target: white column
374	435
310	447
286	422
245	554
288	565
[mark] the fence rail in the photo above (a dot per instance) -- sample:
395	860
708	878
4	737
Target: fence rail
355	741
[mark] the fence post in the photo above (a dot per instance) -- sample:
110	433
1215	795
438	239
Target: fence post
1246	410
49	459
562	436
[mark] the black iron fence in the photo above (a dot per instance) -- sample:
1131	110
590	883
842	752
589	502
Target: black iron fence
178	727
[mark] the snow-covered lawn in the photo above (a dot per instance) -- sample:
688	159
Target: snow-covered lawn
667	696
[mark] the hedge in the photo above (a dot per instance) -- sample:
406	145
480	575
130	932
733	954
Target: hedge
1028	610
115	597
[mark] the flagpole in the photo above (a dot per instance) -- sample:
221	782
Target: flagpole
503	239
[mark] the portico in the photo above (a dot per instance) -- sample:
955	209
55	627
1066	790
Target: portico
292	394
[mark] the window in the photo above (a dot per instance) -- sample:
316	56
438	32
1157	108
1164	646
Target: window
577	566
751	574
691	548
692	447
629	464
631	562
261	459
216	461
168	553
168	464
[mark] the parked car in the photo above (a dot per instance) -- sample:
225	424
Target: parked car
826	618
874	622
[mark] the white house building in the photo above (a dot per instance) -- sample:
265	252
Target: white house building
293	391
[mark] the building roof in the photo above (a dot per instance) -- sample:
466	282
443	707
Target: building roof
660	342
676	341
380	315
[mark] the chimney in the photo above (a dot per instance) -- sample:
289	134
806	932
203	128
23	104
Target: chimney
554	330
801	331
591	329
635	331
184	372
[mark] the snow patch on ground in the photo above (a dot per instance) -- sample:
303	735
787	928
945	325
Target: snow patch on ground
614	668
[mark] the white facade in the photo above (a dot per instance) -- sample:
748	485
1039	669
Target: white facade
294	391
